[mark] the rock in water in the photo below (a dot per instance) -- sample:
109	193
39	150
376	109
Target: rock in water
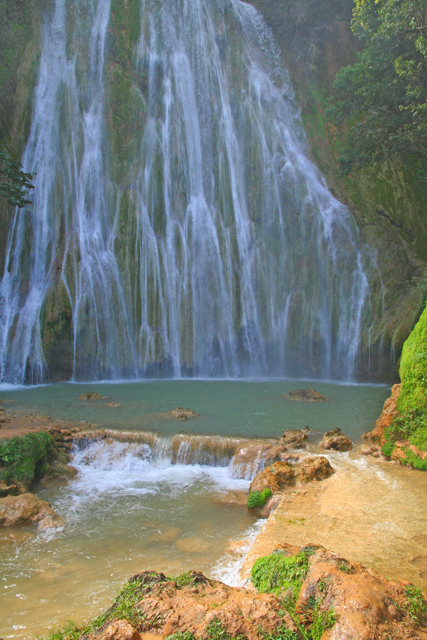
335	439
91	395
295	438
182	414
28	508
282	474
304	395
113	404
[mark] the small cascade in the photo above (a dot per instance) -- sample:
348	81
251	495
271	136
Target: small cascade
177	227
110	448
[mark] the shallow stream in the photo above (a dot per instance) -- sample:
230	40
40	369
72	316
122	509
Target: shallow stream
131	509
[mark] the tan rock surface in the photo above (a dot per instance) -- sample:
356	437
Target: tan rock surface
283	474
203	601
91	395
295	438
28	508
336	440
116	630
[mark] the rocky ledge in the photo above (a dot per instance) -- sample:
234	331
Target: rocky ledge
303	593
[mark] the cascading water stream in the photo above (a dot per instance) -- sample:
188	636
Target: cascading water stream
180	229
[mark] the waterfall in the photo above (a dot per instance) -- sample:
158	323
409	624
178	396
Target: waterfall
178	226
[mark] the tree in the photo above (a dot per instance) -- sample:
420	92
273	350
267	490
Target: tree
15	184
384	95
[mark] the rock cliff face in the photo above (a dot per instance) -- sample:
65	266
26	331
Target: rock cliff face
387	206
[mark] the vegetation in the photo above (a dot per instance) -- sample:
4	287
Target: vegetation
384	94
23	458
284	575
15	184
258	498
417	605
411	423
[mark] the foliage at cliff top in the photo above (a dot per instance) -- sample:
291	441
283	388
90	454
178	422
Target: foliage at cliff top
22	457
384	95
411	423
15	184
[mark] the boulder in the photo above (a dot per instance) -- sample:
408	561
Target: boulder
282	474
295	438
201	603
91	395
304	395
27	509
182	414
336	440
113	404
232	499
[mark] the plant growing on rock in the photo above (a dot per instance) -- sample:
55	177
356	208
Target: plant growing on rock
23	458
258	498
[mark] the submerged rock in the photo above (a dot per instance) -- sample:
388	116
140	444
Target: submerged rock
182	414
113	404
91	395
336	440
304	395
28	508
282	474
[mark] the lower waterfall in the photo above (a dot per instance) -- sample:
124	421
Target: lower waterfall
177	227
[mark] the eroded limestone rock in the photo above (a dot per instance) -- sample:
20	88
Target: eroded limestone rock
116	630
387	416
336	440
295	438
28	508
283	474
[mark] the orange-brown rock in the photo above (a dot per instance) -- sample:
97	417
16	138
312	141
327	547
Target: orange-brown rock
387	416
336	440
366	606
116	630
282	474
202	602
27	508
295	438
304	395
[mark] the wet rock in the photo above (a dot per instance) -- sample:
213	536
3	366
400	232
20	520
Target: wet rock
369	450
182	414
304	395
91	395
202	602
14	489
4	420
232	499
336	440
113	404
295	438
193	545
250	459
28	508
387	416
283	474
116	630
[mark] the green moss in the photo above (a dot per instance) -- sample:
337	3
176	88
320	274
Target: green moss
24	458
258	498
411	423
